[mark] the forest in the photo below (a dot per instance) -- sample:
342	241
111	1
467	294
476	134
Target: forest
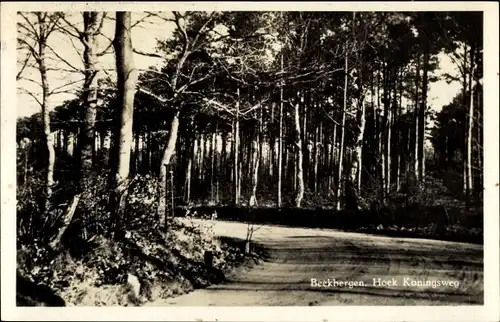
315	119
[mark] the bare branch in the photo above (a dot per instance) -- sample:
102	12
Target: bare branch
182	29
154	14
159	73
54	91
148	14
185	86
18	76
256	106
33	29
77	32
140	52
30	80
110	45
31	94
54	18
33	51
219	105
200	31
161	99
63	60
78	51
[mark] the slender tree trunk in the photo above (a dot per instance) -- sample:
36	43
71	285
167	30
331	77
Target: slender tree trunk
479	138
400	134
255	165
299	176
359	146
212	174
342	136
316	159
422	118
189	169
102	138
137	152
127	75
361	122
321	157
470	124
378	132
49	137
388	126
126	81
417	103
199	161
203	146
223	156
236	151
280	142
381	131
334	156
354	185
165	167
92	24
188	178
357	152
305	145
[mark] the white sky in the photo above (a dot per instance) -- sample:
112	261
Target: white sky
144	37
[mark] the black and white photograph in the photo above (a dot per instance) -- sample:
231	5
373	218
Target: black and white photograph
175	156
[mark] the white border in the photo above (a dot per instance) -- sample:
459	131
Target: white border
488	312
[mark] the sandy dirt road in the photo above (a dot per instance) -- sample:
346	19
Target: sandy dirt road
297	255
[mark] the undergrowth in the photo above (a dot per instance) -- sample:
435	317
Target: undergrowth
94	269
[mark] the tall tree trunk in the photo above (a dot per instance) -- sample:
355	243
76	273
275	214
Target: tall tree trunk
388	128
137	151
165	168
400	133
352	190
359	145
417	103
126	81
49	137
188	176
334	155
102	140
380	132
236	150
422	118
361	122
127	76
479	138
299	176
92	22
255	164
212	168
305	145
470	124
189	169
199	161
203	146
280	141
342	136
316	159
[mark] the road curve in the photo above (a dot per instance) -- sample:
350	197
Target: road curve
297	255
